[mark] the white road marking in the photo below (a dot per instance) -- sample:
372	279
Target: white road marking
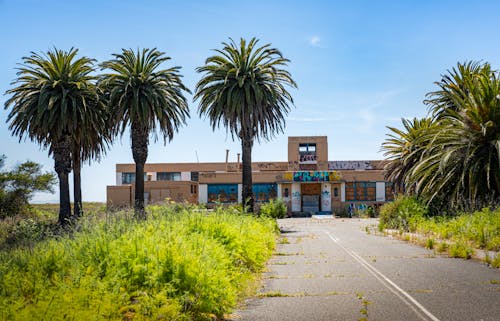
394	288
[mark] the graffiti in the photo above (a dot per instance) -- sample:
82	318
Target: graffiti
350	165
271	166
326	200
321	176
293	165
296	195
308	158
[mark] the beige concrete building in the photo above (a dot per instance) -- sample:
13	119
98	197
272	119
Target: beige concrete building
307	182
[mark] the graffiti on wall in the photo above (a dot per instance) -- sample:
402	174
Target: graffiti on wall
308	158
312	176
350	165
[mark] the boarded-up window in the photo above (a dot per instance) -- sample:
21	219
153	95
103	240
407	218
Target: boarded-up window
223	193
360	191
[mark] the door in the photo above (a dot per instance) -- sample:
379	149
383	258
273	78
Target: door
310	203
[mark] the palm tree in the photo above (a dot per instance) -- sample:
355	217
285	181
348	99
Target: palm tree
453	158
146	98
467	147
89	141
53	94
404	148
243	88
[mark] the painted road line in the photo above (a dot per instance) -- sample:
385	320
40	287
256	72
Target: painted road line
388	283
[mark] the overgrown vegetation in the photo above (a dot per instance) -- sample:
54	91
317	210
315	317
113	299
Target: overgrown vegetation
182	263
404	213
480	229
275	208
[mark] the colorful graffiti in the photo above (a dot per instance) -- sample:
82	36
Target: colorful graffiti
312	176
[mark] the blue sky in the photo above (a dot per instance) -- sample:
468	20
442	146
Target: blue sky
360	65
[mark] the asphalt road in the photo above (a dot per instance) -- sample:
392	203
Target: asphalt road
332	269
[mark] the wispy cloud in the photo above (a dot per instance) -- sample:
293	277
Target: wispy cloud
315	41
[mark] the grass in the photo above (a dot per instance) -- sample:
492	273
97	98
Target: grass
179	264
480	229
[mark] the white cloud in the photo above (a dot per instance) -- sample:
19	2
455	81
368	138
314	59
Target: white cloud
315	41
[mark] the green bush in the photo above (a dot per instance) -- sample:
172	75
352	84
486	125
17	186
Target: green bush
273	209
460	250
404	213
180	264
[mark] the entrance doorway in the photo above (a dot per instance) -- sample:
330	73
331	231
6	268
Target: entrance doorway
311	193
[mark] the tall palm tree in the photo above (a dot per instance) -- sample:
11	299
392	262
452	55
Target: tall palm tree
52	96
243	88
146	98
468	144
89	141
454	157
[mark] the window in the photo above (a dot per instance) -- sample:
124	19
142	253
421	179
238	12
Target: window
263	192
307	154
224	193
360	191
287	192
193	189
168	176
336	191
129	178
195	176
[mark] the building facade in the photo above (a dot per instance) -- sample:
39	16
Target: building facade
307	182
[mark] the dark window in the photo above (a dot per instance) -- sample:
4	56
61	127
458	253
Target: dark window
286	192
195	176
168	176
336	192
128	178
360	191
193	189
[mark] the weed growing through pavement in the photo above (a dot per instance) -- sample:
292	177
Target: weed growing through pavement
284	240
364	306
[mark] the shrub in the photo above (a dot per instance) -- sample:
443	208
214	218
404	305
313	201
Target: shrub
179	264
273	209
404	213
460	250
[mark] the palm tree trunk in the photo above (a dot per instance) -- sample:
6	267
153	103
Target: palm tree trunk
62	164
77	183
246	155
140	140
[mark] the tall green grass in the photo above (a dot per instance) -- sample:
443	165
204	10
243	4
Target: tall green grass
182	263
480	229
